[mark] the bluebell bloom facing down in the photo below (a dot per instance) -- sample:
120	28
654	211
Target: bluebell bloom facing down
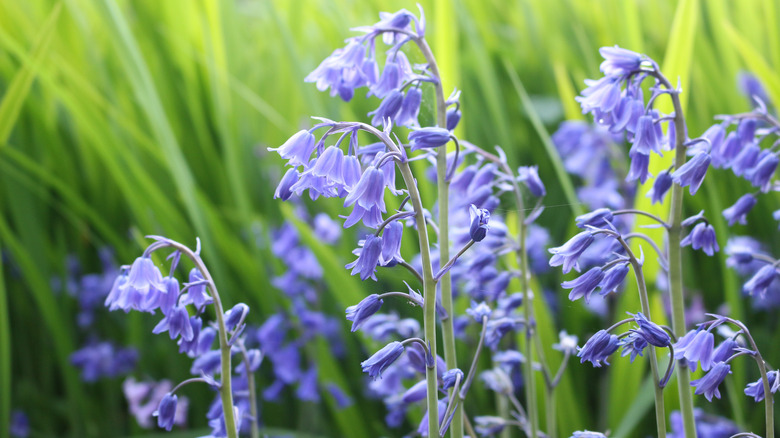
724	350
448	379
691	174
196	295
102	359
529	175
598	348
383	358
410	108
661	185
568	254
391	244
708	385
696	346
283	191
633	344
176	323
297	149
428	138
388	109
496	329
652	332
363	310
640	165
345	70
756	389
142	288
478	311
746	159
646	139
416	393
619	61
368	258
761	175
761	280
602	95
613	278
716	135
479	223
166	411
596	218
702	237
738	211
585	284
453	118
329	165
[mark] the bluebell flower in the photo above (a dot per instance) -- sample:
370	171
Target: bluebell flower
646	140
708	385
176	323
661	185
329	165
388	109
639	169
283	191
383	358
585	284
746	130
613	278
746	159
368	258
696	346
169	298
392	75
633	344
326	229
728	151
20	424
619	61
449	378
345	70
529	175
478	311
208	363
724	350
596	218
587	434
166	412
702	237
140	290
201	341
761	175
496	329
391	244
488	425
602	95
652	332
297	149
568	254
410	108
738	211
707	425
429	137
369	191
716	135
97	360
366	308
479	223
422	430
566	343
752	87
598	348
235	315
756	389
691	174
761	280
497	380
196	295
416	393
453	118
307	387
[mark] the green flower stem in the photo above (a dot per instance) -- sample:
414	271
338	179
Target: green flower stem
445	282
250	378
658	393
225	390
675	261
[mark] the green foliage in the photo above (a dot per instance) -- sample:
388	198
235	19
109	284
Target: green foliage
153	117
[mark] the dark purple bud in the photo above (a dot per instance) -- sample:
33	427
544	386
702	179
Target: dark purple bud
652	332
729	150
235	315
725	350
428	138
479	223
283	191
166	411
449	378
738	211
639	170
360	312
691	174
633	344
598	348
453	118
746	130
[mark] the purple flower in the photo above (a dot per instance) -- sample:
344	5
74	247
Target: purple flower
428	138
696	346
661	185
761	280
388	109
208	363
448	379
329	165
692	172
496	329
633	344
368	258
479	311
366	308
166	412
453	118
738	211
416	393
596	218
342	400
487	425
646	140
307	387
176	322
568	254
640	164
479	223
369	191
598	348
391	244
585	284
236	315
756	389
761	175
20	425
652	332
410	108
326	229
142	289
746	159
102	359
529	175
602	95
297	149
345	70
702	237
283	191
196	295
613	278
382	359
588	434
752	87
708	385
724	350
619	61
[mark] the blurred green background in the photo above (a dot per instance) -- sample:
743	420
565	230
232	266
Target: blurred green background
120	119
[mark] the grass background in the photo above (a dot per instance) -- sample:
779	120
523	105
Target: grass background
125	118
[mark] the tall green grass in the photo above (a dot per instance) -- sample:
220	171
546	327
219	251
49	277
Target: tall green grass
120	119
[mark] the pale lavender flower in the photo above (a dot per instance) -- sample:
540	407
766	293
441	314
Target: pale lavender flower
708	385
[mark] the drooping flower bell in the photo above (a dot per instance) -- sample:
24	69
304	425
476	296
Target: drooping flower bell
584	285
363	310
382	359
429	137
598	348
297	149
708	385
691	174
368	258
702	237
479	223
166	411
568	254
740	209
